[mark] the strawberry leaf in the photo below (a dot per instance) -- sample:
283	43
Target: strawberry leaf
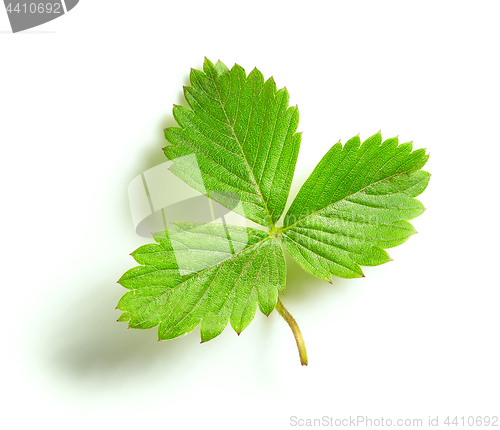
208	273
242	133
238	145
355	204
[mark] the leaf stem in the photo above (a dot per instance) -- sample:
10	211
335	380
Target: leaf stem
301	346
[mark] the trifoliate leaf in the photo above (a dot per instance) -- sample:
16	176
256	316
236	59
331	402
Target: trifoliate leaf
238	145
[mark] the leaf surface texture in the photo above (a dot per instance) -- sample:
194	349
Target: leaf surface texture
356	203
243	134
205	274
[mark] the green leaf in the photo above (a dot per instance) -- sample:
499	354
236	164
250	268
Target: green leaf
202	273
237	144
242	134
355	204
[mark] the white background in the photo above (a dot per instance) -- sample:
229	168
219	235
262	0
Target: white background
83	103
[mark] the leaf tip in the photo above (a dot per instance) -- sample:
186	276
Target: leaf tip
238	333
391	259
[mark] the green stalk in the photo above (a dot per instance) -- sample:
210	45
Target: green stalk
301	346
